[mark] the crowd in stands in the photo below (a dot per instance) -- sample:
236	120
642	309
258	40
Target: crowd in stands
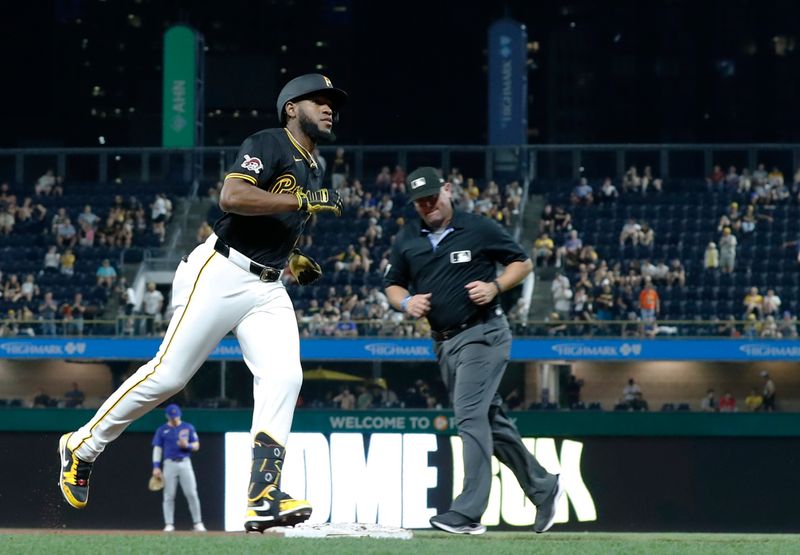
60	243
649	275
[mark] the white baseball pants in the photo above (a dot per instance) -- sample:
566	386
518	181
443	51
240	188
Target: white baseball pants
211	296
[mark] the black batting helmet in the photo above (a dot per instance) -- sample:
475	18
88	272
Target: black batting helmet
308	84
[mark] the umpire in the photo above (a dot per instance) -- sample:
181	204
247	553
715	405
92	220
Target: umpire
443	267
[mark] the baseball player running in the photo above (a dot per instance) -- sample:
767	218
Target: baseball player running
443	267
174	442
231	283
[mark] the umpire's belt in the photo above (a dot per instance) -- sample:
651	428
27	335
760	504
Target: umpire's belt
264	273
480	318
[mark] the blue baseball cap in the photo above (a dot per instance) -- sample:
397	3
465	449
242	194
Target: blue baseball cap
173	410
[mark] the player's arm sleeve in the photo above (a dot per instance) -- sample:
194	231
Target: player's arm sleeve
157	451
158	441
256	159
194	439
502	247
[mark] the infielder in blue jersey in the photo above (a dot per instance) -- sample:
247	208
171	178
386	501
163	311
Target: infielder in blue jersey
174	443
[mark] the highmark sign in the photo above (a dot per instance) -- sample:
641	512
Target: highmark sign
399	479
522	349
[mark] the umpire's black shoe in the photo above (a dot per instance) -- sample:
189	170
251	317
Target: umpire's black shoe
73	478
456	523
271	507
546	510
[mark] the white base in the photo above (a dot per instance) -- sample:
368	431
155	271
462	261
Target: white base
341	530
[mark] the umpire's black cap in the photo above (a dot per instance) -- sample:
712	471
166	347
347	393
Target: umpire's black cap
308	84
423	182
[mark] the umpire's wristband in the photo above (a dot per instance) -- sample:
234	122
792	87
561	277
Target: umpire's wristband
404	303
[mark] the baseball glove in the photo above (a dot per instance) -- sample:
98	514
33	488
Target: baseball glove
156	483
323	200
304	268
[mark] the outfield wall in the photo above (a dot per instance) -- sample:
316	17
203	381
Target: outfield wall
637	472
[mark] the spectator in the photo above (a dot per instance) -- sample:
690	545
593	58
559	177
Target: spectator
7	221
788	326
631	182
709	402
649	302
159	213
384	179
547	223
543	250
73	315
710	257
752	327
568	254
660	273
582	193
562	296
88	217
649	181
48	309
753	303
106	274
86	235
340	169
74	398
582	306
48	184
562	220
29	289
68	263
604	303
608	192
573	390
345	400
632	396
727	403
715	181
754	400
364	398
41	400
152	305
769	328
631	230
676	274
732	179
767	393
771	304
775	177
52	260
727	251
647	237
12	290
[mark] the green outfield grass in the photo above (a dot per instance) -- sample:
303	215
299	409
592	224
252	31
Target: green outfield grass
423	544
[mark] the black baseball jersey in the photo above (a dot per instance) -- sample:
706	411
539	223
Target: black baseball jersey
274	161
468	252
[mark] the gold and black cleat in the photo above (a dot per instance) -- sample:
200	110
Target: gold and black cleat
271	507
73	477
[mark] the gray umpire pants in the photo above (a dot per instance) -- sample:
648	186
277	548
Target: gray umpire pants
180	471
472	364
